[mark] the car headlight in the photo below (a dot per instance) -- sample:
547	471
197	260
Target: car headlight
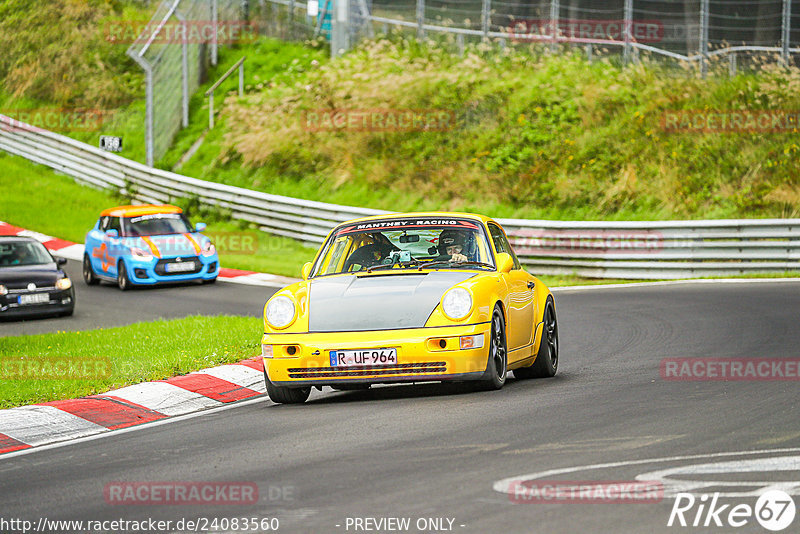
280	312
140	254
457	303
64	283
209	249
3	290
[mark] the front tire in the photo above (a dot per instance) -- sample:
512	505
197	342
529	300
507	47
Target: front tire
88	273
496	368
123	282
284	395
546	363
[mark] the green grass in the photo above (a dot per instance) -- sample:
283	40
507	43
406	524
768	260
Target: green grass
121	356
37	198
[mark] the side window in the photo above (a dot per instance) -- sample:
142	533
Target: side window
501	244
103	223
115	225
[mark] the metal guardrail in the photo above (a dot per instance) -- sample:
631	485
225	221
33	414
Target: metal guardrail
636	250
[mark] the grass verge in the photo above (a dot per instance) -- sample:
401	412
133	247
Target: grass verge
116	357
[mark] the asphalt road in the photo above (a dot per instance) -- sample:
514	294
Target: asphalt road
434	451
104	305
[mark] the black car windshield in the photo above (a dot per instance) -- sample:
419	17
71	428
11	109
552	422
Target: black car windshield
23	253
156	224
405	243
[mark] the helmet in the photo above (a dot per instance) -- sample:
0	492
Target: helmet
450	237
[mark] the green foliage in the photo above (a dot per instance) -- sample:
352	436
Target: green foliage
533	135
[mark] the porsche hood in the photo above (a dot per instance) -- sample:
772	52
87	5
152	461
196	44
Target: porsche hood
378	302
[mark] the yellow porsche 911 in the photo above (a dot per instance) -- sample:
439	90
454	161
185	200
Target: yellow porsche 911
409	297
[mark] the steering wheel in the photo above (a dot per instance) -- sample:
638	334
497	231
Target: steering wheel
365	256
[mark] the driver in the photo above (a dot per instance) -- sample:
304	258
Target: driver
453	245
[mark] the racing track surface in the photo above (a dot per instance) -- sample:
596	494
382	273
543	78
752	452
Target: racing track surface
105	306
436	451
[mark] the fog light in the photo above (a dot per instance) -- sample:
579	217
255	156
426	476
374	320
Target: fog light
140	273
212	267
471	342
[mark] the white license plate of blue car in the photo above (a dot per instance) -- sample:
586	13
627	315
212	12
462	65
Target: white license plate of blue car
349	358
179	267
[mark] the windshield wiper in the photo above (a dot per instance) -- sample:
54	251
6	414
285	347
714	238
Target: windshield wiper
402	264
452	263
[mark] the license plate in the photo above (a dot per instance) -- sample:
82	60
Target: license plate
179	267
348	358
36	298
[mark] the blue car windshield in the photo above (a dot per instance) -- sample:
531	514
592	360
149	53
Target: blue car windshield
23	253
156	224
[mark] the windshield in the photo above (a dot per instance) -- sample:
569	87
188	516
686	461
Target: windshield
405	243
156	224
23	253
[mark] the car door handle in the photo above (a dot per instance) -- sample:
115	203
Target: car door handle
531	285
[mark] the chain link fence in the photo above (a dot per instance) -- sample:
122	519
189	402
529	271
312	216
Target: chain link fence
696	31
174	49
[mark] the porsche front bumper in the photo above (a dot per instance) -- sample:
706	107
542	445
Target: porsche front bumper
423	354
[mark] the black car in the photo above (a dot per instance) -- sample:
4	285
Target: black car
32	281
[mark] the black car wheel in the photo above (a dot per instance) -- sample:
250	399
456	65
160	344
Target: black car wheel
88	273
284	395
546	363
495	376
122	277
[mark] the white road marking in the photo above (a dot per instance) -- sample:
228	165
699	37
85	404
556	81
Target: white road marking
507	485
673	486
37	425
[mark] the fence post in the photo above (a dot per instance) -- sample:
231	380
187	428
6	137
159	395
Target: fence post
421	19
215	25
291	19
340	27
555	8
628	22
786	27
486	17
704	11
732	64
589	52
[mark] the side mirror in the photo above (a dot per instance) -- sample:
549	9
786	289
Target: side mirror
61	261
504	262
199	227
306	270
112	233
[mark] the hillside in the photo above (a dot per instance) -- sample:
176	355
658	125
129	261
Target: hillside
525	135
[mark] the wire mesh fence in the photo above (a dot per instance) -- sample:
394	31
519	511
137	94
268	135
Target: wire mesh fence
174	49
691	30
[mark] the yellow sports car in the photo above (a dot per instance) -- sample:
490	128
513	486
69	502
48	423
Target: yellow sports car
409	297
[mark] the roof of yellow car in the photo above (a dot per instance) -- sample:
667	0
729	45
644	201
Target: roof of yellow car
474	216
135	211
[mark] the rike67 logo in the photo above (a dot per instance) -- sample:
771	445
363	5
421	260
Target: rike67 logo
774	510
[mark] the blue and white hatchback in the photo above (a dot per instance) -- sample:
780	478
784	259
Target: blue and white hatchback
146	245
